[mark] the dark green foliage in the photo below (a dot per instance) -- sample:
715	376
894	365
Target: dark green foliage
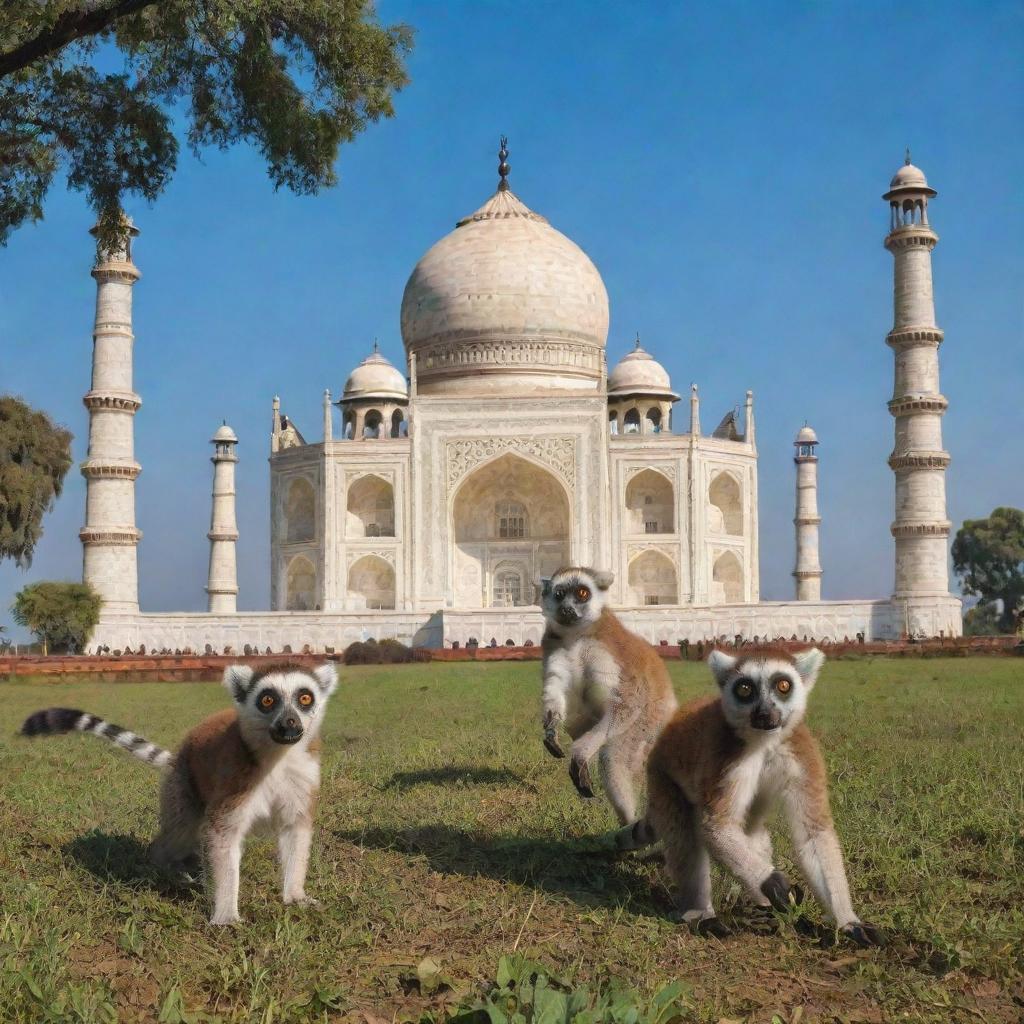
61	616
982	620
387	652
988	556
293	78
35	456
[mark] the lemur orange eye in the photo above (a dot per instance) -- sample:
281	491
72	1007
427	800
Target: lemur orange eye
305	698
582	594
266	701
783	685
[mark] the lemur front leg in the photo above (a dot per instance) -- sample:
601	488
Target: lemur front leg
556	684
820	857
293	844
224	856
732	847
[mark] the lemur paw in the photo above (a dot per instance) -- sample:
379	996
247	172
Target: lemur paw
551	735
551	743
780	893
301	900
579	772
225	918
701	924
864	934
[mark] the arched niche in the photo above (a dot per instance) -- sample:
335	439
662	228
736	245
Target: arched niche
370	511
300	585
371	583
373	423
725	505
631	422
509	510
510	586
727	579
653	579
653	418
650	503
399	428
300	511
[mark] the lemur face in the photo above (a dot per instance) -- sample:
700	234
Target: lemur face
765	693
575	598
283	703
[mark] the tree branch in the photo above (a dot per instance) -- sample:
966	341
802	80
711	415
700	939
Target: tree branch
66	29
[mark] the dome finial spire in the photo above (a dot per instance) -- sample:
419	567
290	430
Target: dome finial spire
503	167
906	158
376	347
637	348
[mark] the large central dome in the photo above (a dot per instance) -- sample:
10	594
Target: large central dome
505	303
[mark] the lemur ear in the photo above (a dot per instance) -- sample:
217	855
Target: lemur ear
327	678
237	679
808	664
545	586
604	579
721	664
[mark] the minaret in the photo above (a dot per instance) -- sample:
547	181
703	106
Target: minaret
920	528
109	537
222	585
808	569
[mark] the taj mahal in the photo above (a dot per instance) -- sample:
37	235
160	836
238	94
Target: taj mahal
437	496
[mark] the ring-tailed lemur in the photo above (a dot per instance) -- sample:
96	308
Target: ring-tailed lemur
256	763
606	685
717	770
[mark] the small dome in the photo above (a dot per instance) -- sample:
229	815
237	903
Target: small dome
375	377
806	435
225	434
639	373
908	179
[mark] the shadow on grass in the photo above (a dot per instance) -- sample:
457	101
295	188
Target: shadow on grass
450	775
587	870
122	858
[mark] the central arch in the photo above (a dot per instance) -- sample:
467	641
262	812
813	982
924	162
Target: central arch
370	510
371	583
650	503
652	579
509	512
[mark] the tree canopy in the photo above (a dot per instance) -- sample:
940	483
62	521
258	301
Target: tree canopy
35	456
988	556
61	616
96	86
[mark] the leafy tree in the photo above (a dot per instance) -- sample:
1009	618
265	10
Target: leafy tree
982	620
61	616
96	85
988	556
35	456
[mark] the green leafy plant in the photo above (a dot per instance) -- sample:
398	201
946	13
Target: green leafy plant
61	616
525	992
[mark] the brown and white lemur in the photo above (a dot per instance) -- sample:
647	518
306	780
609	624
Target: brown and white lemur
257	763
717	770
606	685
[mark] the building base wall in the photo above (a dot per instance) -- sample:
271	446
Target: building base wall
815	620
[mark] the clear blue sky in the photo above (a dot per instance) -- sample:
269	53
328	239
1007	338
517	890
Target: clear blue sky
722	164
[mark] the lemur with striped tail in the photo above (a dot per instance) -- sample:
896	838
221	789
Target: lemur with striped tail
257	763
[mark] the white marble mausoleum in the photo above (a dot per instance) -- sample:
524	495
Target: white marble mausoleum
439	494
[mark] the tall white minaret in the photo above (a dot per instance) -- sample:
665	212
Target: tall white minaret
222	585
808	568
921	528
109	537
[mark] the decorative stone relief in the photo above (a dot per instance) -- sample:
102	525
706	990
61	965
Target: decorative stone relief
559	453
666	469
386	554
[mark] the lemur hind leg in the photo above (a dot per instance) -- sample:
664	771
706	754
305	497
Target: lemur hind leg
617	778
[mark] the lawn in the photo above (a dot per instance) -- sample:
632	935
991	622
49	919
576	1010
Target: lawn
448	839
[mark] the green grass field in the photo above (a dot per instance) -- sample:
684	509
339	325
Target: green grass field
447	835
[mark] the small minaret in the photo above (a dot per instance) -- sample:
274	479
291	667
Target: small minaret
222	585
694	411
808	569
328	422
109	537
921	527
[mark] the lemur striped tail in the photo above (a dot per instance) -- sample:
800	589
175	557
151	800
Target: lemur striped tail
53	721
